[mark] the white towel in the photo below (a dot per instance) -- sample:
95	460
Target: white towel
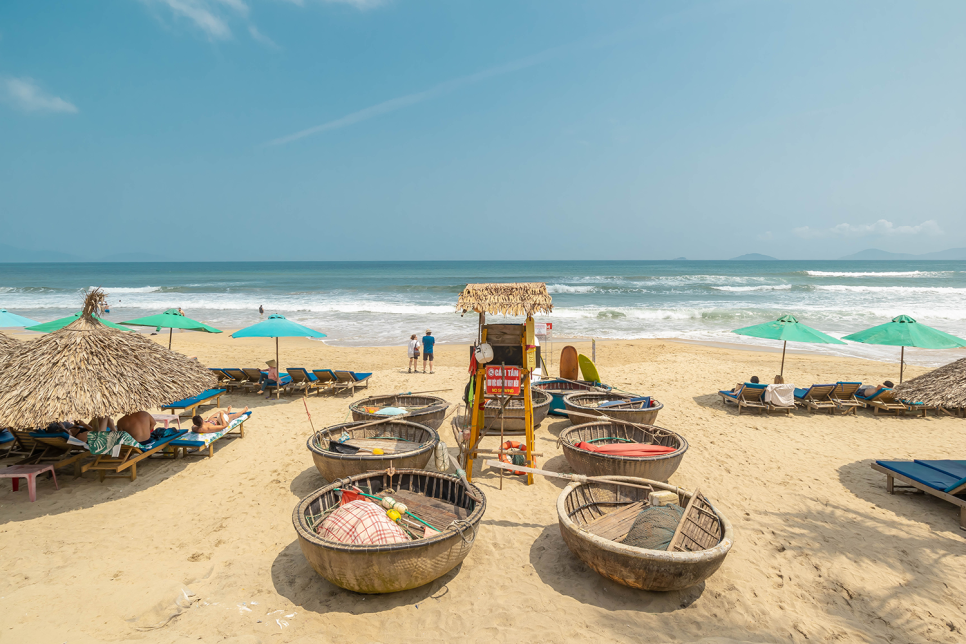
780	395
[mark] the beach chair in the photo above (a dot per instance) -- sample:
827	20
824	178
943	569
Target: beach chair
748	396
222	377
129	453
193	443
7	441
60	450
303	380
326	378
773	401
816	398
943	479
24	446
191	405
239	379
883	400
843	395
349	380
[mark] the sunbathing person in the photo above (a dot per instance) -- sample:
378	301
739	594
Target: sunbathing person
216	422
754	381
868	390
79	428
138	425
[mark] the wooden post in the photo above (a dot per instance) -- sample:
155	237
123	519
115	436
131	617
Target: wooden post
593	351
782	372
478	412
171	334
902	361
278	370
527	373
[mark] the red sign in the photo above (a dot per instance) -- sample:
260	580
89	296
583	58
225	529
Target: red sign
495	379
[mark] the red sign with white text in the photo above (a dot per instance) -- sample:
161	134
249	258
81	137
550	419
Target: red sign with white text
495	379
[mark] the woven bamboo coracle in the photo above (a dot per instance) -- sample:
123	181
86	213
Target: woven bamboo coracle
587	403
393	567
606	432
581	507
334	465
87	370
431	416
514	419
942	387
522	299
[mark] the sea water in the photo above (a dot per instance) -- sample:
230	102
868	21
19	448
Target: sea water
383	303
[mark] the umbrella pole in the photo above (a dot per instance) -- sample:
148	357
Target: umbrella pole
782	372
902	360
170	335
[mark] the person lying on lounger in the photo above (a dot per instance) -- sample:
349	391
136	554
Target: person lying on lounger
868	390
139	425
78	429
216	422
754	381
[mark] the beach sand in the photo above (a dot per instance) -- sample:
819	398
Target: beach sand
204	549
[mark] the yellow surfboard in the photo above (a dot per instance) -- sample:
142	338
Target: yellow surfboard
587	368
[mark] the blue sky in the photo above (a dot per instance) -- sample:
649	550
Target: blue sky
405	129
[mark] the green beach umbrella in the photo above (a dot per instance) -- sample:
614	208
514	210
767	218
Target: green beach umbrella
8	319
788	329
172	319
56	325
904	332
277	326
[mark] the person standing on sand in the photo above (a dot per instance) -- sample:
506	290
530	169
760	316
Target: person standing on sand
428	342
413	354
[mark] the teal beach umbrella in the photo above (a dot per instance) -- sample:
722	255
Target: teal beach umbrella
172	319
904	332
55	325
788	329
277	326
8	319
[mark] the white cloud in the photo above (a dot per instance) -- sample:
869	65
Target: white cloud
260	37
881	228
26	94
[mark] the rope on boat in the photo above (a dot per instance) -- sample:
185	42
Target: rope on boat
461	526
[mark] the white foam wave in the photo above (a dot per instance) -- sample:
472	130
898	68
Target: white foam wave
566	288
891	290
111	291
877	273
742	289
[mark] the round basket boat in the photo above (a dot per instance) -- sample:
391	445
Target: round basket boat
431	416
392	567
411	446
589	403
580	504
605	432
558	388
513	417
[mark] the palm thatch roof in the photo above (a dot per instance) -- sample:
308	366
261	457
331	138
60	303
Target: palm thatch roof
87	370
7	345
524	298
945	386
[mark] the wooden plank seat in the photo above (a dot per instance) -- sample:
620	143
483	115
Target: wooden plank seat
945	479
125	464
191	405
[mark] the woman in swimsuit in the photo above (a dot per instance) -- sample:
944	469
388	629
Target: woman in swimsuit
216	422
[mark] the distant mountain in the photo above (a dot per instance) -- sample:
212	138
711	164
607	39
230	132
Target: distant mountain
876	254
12	254
754	257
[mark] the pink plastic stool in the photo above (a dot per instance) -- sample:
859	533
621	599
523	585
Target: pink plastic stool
29	472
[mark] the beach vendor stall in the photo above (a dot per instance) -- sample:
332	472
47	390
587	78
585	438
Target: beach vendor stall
502	361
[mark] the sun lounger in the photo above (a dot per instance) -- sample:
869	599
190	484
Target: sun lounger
60	450
349	380
943	479
816	398
239	379
191	405
7	441
780	398
24	445
303	380
882	400
748	396
124	464
197	443
843	395
326	378
223	377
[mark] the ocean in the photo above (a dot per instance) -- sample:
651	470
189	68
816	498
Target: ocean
383	303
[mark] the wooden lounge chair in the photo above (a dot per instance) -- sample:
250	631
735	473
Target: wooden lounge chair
326	378
125	464
776	406
883	400
349	380
816	398
191	405
303	380
223	377
255	374
239	379
25	446
7	441
844	396
748	396
58	451
193	443
943	479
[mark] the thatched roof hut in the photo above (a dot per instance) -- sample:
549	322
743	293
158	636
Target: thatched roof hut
945	386
524	298
87	370
7	345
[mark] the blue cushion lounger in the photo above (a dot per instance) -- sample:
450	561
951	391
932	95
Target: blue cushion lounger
844	396
325	376
883	400
6	441
191	404
816	398
129	455
349	380
303	379
197	442
60	449
239	378
945	479
748	396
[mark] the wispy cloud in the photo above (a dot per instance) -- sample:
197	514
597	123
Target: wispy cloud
358	4
260	37
881	228
25	94
408	100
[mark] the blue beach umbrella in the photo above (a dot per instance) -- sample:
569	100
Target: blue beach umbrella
277	326
8	319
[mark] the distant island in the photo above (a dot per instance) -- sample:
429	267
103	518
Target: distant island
876	254
754	257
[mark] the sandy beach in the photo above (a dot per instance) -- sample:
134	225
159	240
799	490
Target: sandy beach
204	549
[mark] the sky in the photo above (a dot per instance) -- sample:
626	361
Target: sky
449	129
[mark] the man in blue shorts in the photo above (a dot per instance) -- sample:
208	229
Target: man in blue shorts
428	342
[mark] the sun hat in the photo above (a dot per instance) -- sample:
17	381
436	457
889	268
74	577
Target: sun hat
428	332
271	363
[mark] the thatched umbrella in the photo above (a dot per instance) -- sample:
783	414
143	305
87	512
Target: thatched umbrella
520	298
87	370
942	387
7	345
